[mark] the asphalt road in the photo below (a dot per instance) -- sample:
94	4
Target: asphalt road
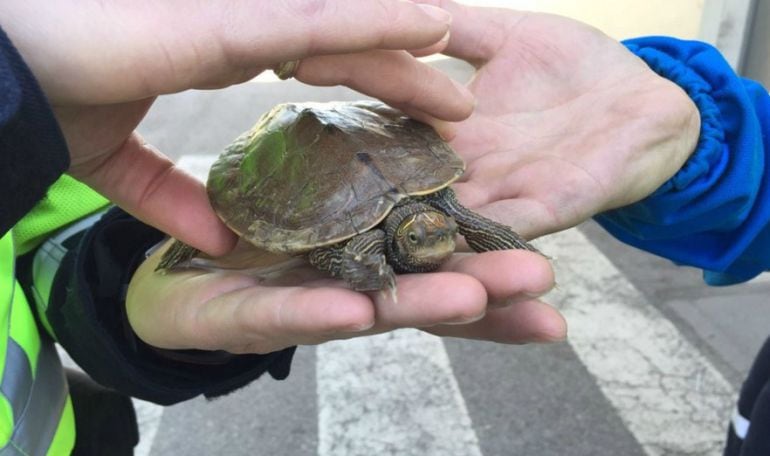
652	365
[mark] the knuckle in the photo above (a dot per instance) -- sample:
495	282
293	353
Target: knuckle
313	15
382	17
312	10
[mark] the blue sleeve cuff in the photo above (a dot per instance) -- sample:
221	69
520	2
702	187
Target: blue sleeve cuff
714	213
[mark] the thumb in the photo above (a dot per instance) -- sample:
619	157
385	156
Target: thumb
148	185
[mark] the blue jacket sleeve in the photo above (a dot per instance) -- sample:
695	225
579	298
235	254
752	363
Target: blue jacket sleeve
715	212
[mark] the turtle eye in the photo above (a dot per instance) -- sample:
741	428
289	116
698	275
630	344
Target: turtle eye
412	236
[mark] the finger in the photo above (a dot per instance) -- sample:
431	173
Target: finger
446	130
146	184
236	312
233	312
211	44
523	322
264	319
432	49
476	33
463	290
425	300
394	77
306	28
506	274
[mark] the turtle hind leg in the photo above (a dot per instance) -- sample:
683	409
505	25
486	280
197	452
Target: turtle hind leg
179	254
361	262
481	233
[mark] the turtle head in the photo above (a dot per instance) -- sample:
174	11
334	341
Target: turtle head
424	239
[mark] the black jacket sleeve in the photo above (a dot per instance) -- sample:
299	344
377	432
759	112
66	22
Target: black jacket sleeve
33	153
86	311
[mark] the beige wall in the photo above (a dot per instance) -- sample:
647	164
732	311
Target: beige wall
721	25
620	18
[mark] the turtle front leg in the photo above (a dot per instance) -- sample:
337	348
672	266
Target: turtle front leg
481	233
361	262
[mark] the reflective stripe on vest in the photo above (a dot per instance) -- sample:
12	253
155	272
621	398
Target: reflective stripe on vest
37	404
37	396
49	256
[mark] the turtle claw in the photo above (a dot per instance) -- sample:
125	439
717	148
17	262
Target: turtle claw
370	272
392	293
389	289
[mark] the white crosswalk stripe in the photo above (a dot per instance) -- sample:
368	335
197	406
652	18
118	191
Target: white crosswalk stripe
148	416
667	393
391	394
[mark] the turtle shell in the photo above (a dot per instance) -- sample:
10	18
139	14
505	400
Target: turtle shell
314	174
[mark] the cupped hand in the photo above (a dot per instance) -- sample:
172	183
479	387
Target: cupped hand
102	63
233	311
568	122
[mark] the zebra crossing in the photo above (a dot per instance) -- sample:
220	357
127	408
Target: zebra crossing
399	394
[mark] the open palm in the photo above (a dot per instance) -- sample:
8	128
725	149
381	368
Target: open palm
235	311
568	122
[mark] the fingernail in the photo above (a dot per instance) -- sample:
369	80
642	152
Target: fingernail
547	338
446	130
466	320
437	13
525	296
538	294
359	327
533	294
554	331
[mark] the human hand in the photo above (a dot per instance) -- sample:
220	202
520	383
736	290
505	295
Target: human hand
101	65
568	122
233	311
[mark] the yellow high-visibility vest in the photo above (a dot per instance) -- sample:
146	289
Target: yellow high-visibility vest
36	416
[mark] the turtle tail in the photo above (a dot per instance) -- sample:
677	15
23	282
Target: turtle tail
179	254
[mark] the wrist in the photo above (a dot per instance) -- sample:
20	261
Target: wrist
713	212
700	137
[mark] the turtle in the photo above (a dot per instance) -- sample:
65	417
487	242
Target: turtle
358	188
